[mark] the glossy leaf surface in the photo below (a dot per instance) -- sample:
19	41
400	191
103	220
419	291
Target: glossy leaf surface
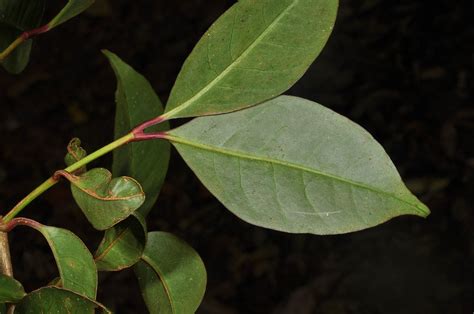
293	165
11	291
72	9
17	16
57	300
105	201
171	275
253	52
75	263
137	102
122	245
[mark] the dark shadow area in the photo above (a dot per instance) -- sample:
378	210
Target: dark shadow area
401	69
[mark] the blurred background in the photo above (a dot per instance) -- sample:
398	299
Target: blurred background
401	69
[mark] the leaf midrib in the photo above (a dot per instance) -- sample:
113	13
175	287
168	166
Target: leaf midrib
244	155
232	65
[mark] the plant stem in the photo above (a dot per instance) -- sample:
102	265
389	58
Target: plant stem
52	181
21	39
5	259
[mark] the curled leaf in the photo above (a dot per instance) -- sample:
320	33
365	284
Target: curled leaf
122	245
105	201
75	153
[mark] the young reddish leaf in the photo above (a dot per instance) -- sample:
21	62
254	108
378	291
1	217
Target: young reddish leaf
17	16
122	245
137	102
11	291
293	165
171	275
253	52
58	300
105	201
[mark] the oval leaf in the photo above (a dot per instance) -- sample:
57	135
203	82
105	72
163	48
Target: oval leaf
11	291
72	9
17	16
122	245
137	102
105	201
76	265
171	275
255	51
57	300
293	165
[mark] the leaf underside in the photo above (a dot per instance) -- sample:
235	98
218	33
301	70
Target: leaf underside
293	165
253	52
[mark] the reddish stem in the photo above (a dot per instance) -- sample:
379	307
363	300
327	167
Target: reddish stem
20	221
40	30
139	132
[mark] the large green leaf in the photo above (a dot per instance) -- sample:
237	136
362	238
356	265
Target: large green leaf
171	275
17	16
76	265
72	9
11	291
293	165
57	300
137	102
122	245
105	201
255	51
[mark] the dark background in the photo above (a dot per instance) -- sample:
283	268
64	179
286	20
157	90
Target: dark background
402	69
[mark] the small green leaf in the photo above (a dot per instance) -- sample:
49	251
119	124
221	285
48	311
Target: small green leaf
58	300
11	291
137	102
253	52
17	16
75	153
105	201
171	275
72	9
122	245
76	265
293	165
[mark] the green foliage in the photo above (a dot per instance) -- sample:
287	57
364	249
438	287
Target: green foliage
58	300
280	162
253	52
171	274
72	9
122	245
11	291
105	201
293	165
20	19
137	102
75	263
17	16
